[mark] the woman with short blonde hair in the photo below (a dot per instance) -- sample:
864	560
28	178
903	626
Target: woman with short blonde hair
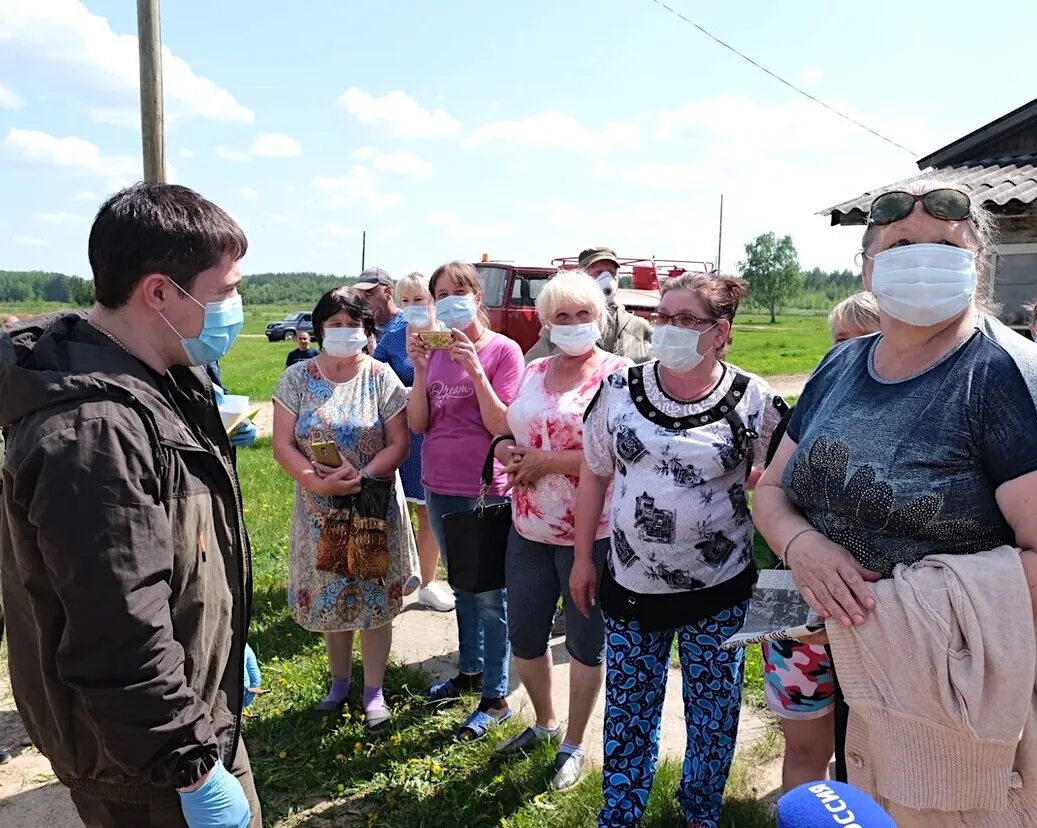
542	459
415	303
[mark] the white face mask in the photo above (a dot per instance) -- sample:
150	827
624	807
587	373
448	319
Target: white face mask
677	348
924	284
575	340
344	342
457	311
417	315
607	282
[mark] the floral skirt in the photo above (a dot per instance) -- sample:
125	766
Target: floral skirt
327	602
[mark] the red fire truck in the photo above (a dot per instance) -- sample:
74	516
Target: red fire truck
510	290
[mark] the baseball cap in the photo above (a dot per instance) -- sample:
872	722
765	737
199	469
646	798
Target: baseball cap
373	277
597	254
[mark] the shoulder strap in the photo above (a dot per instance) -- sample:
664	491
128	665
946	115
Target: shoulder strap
744	437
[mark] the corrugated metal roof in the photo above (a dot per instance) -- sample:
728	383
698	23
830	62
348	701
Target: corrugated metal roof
991	181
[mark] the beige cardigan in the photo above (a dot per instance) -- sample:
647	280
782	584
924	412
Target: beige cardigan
941	683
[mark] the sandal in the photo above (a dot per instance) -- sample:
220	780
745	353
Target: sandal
443	691
478	724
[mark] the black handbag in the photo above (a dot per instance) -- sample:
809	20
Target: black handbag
477	540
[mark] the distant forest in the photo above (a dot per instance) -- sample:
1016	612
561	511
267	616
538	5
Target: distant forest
258	289
820	288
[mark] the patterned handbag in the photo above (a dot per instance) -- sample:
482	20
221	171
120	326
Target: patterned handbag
354	537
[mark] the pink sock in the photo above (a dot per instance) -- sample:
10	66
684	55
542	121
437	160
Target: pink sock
373	699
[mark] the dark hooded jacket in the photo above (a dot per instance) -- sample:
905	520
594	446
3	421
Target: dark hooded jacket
126	567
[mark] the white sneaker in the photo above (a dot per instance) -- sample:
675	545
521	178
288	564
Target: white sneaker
437	597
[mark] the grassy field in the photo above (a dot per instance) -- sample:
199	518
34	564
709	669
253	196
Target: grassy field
792	345
413	775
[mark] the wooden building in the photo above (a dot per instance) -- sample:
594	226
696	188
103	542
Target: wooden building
997	165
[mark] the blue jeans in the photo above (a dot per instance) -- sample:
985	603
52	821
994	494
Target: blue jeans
482	618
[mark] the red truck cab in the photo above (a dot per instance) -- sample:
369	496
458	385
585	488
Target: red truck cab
510	290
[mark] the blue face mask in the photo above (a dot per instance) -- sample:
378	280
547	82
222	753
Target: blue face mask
223	322
456	311
416	314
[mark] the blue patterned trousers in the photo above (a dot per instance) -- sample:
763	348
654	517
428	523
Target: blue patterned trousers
635	684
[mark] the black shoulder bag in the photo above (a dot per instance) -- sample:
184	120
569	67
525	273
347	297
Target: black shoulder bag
477	540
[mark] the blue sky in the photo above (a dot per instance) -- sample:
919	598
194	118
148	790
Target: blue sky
452	128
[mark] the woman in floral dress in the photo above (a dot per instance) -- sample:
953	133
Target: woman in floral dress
345	397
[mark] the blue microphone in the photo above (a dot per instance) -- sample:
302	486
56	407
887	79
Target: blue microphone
831	805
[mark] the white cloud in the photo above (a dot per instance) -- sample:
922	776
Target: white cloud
554	130
405	164
399	114
85	195
235	156
62	218
402	163
72	154
359	186
91	57
468	231
275	145
248	193
9	99
338	231
186	154
281	218
30	241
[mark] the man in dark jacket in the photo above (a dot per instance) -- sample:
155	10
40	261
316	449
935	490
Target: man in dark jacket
125	563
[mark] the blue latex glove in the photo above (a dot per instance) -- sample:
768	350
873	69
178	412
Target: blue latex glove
244	435
253	678
219	803
219	392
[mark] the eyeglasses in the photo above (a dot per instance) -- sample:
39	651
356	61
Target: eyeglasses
944	204
679	320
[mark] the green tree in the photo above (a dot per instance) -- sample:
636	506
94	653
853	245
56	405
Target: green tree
771	267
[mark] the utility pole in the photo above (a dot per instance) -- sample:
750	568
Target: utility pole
152	118
363	252
720	231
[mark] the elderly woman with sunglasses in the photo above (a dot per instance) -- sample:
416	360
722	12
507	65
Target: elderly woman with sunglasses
909	444
679	436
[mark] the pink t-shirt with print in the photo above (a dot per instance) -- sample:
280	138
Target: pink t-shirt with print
456	441
554	422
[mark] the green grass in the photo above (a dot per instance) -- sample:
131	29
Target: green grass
413	775
792	345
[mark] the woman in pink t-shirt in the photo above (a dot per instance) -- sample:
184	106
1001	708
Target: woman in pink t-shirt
459	400
543	466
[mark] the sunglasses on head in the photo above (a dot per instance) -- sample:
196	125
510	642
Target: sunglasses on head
944	204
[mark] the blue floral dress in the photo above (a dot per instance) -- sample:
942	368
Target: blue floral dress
353	414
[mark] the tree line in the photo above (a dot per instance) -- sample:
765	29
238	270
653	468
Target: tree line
257	289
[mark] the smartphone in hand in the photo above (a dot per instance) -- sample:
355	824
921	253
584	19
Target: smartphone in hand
327	453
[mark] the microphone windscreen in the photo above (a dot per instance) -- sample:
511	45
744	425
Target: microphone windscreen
831	805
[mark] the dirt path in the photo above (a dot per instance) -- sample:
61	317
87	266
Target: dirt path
789	385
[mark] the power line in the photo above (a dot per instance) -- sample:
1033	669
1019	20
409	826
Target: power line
780	79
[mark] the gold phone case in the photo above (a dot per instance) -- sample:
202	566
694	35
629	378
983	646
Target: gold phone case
326	454
436	340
